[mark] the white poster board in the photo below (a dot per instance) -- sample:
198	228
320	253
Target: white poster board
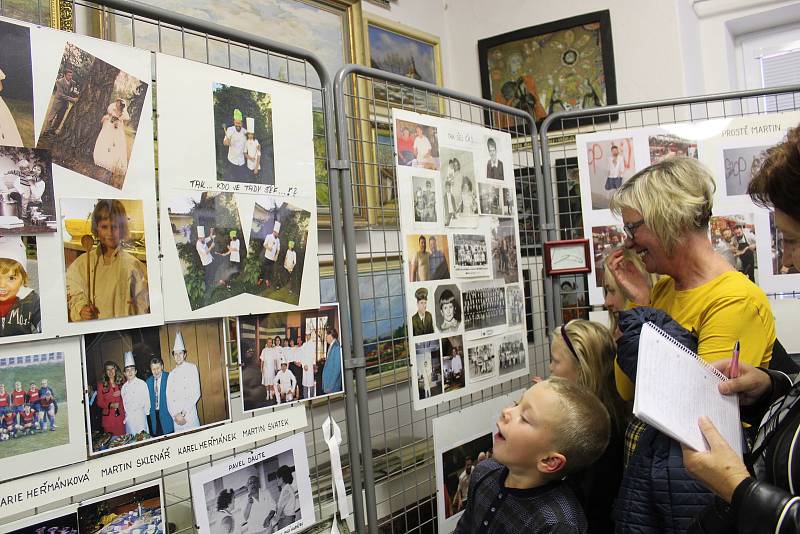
232	203
461	255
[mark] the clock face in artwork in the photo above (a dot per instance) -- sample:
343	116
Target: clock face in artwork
567	257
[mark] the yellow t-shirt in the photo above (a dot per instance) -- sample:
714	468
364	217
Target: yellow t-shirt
726	309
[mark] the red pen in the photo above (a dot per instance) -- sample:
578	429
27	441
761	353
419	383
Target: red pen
734	371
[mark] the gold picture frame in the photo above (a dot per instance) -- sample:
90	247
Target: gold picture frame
62	15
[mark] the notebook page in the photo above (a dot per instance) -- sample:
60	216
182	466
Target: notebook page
674	388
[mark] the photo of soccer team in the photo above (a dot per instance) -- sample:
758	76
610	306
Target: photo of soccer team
29	390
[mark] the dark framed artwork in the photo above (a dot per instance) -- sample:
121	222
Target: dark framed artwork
568	256
564	65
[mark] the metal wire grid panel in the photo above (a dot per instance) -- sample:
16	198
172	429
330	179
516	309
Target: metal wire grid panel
559	156
401	438
96	21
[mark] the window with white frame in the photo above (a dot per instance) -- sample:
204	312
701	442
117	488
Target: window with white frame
771	58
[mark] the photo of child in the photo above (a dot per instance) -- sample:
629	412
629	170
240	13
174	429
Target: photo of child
26	191
20	310
243	135
104	259
16	86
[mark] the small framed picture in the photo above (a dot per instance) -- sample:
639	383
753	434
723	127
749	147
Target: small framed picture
567	257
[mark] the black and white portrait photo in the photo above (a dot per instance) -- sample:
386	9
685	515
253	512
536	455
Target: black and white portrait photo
459	187
494	167
511	354
453	363
490	199
508	209
515	305
484	307
26	191
448	308
482	361
16	86
265	490
504	251
429	368
424	199
470	255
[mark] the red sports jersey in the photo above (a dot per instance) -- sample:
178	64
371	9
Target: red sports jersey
5	400
45	402
33	395
27	419
18	397
9	419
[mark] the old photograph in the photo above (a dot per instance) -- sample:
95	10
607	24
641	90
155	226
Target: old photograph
424	199
453	363
16	86
457	466
459	187
93	116
740	166
491	201
243	135
448	308
508	208
417	145
136	510
504	251
511	353
27	202
734	238
663	146
515	305
484	307
422	319
148	383
105	258
470	255
428	368
482	361
494	167
610	163
427	257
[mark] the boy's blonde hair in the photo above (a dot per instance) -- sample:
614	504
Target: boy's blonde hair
113	210
674	196
9	266
582	430
609	280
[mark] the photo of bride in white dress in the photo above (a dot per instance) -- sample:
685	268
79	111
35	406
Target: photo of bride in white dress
111	147
16	86
9	134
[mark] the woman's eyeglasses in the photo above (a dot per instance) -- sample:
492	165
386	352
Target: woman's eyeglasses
630	228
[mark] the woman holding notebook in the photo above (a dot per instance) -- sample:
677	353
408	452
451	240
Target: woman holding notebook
768	501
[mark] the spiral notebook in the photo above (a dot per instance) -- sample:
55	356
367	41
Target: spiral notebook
674	388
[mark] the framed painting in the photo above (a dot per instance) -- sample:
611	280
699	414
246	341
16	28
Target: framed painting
58	14
563	65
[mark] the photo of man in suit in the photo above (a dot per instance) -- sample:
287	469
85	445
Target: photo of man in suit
159	419
422	321
494	167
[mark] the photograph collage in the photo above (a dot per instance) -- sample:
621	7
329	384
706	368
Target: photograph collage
462	257
739	230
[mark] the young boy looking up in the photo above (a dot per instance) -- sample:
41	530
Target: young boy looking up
557	427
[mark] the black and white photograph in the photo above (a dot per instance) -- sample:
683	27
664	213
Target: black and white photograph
490	196
504	251
16	86
26	191
459	187
289	357
508	208
664	146
494	167
267	489
93	116
511	353
62	521
457	466
417	145
424	199
515	305
136	510
243	135
148	383
448	308
482	361
453	363
484	307
740	166
428	257
470	255
428	369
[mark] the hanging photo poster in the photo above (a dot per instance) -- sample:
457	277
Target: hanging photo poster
263	490
237	193
41	426
289	357
458	449
461	256
154	383
85	183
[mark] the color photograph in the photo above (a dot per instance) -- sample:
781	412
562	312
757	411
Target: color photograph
278	246
459	187
448	308
482	361
20	307
428	369
16	86
734	238
422	320
105	258
148	383
453	363
63	521
470	255
91	121
505	261
740	166
136	510
484	306
457	466
243	135
211	246
267	489
777	250
417	145
611	163
428	257
27	202
605	239
289	357
663	146
511	354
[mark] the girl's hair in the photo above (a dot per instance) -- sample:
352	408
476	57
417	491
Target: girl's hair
595	350
117	375
113	210
9	266
224	499
609	280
